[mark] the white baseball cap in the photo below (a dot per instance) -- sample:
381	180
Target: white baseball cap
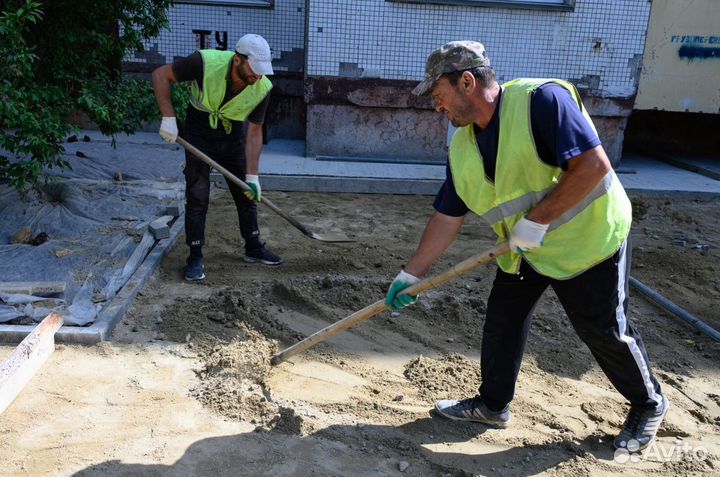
258	52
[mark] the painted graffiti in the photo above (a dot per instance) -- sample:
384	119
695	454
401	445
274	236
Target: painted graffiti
697	47
692	52
221	39
697	39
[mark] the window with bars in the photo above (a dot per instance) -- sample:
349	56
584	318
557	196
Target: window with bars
232	3
534	4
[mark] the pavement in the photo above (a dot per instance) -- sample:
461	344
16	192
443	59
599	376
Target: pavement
652	175
284	166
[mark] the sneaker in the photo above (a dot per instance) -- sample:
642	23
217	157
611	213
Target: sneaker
641	426
262	255
473	410
195	269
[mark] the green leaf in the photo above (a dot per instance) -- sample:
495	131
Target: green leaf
63	55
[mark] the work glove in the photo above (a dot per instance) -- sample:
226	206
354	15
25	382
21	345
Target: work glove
527	235
169	129
253	182
401	282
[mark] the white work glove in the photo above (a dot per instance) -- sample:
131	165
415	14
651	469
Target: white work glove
403	280
168	129
527	235
254	182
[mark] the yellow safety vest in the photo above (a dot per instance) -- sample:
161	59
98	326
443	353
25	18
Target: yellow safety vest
215	69
585	235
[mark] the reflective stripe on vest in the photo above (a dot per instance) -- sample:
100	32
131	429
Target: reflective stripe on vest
529	200
215	70
583	236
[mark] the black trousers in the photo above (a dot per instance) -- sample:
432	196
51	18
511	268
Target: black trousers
231	155
596	302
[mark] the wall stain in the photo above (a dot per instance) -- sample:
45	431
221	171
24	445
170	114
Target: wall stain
349	70
151	55
292	60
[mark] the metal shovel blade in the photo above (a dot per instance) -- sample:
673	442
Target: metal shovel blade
331	237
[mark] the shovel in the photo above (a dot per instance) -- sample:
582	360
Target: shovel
379	306
231	177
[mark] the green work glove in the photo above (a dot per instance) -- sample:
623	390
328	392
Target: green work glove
254	183
395	300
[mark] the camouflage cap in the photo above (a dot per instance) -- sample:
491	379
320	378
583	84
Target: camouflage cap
452	56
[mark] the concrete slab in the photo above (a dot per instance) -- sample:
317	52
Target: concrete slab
285	157
159	227
283	166
707	166
656	176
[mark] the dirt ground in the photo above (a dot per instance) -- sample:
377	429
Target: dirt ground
185	386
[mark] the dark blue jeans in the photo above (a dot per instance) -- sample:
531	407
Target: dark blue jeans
596	303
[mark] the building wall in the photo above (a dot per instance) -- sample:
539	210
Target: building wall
598	46
345	83
681	65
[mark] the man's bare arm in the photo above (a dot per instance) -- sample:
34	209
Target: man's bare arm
584	173
162	79
253	147
439	234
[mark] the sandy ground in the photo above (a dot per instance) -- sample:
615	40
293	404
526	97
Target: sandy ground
185	386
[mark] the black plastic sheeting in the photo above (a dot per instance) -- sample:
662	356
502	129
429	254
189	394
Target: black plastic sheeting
93	216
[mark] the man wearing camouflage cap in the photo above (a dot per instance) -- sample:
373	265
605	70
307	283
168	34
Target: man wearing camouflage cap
527	159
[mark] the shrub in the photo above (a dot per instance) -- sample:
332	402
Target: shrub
62	55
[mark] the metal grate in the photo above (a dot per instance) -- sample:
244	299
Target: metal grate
598	45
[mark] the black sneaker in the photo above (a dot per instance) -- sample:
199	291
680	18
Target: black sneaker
262	255
195	269
473	410
641	426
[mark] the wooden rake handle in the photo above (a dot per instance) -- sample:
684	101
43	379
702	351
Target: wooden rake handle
379	306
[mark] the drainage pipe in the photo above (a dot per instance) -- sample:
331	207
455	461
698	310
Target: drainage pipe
667	305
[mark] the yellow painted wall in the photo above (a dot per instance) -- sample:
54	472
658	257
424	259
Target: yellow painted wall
681	63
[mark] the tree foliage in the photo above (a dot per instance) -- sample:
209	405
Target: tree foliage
64	55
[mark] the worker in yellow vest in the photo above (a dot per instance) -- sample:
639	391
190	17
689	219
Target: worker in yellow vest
527	159
229	88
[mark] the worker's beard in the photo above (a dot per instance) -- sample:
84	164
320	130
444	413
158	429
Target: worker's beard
242	74
461	114
459	120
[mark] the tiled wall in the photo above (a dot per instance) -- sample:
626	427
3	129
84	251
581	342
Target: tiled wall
282	26
598	46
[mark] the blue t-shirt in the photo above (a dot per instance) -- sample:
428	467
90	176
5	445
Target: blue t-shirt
559	128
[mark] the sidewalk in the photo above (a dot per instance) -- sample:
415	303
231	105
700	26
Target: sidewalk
283	166
652	175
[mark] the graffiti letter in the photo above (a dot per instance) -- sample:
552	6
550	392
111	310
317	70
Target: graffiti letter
222	44
202	34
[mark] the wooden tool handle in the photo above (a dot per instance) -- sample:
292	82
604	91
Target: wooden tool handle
379	306
237	181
